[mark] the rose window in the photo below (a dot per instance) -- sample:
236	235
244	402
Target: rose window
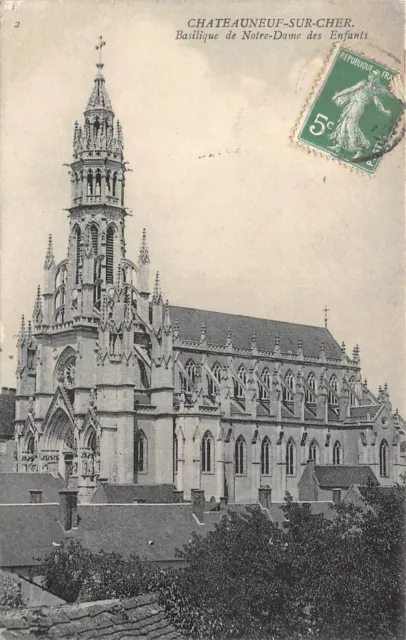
69	374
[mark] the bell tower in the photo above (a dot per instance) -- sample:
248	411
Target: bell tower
97	212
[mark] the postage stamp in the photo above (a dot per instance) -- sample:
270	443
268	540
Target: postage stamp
354	114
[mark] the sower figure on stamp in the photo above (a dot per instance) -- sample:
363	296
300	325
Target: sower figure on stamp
347	134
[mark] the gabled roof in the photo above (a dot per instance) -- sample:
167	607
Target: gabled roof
7	414
142	617
152	531
343	476
27	533
15	487
128	493
317	508
242	327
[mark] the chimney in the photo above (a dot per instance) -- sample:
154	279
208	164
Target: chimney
177	496
336	496
198	503
35	496
264	497
68	509
223	503
311	463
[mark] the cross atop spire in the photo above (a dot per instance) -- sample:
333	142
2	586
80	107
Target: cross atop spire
99	48
326	310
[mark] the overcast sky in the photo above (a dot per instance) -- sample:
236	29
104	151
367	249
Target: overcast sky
261	228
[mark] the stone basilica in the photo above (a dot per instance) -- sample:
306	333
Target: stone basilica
113	383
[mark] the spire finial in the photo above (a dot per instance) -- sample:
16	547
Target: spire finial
326	310
99	48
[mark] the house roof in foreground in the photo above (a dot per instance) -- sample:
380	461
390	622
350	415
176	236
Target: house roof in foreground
142	617
15	487
343	476
242	327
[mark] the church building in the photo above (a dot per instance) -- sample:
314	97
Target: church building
116	384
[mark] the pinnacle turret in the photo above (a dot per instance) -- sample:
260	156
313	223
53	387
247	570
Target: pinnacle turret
157	296
144	255
49	256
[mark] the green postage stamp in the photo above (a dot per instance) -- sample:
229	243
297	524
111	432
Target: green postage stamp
353	115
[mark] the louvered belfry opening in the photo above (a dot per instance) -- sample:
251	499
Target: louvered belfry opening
78	238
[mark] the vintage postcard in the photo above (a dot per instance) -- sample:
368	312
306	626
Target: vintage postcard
202	407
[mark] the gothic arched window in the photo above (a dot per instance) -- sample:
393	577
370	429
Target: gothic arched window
114	183
108	181
238	388
190	369
384	459
287	389
310	390
96	126
90	182
337	453
333	390
314	452
353	398
265	387
266	457
216	372
207	453
140	452
240	456
110	255
290	458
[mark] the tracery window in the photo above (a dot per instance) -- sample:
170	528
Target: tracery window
310	390
333	391
207	453
241	376
190	369
216	372
287	388
265	387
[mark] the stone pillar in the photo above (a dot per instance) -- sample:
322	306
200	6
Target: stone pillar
198	503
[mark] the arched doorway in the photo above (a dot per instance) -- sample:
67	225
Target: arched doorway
59	447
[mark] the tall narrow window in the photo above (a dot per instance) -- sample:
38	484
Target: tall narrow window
265	457
207	453
95	239
240	456
353	398
216	372
96	126
114	183
265	387
110	255
290	458
238	388
140	452
310	390
383	459
108	182
98	182
314	452
337	453
78	256
287	389
175	454
191	372
89	183
333	391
